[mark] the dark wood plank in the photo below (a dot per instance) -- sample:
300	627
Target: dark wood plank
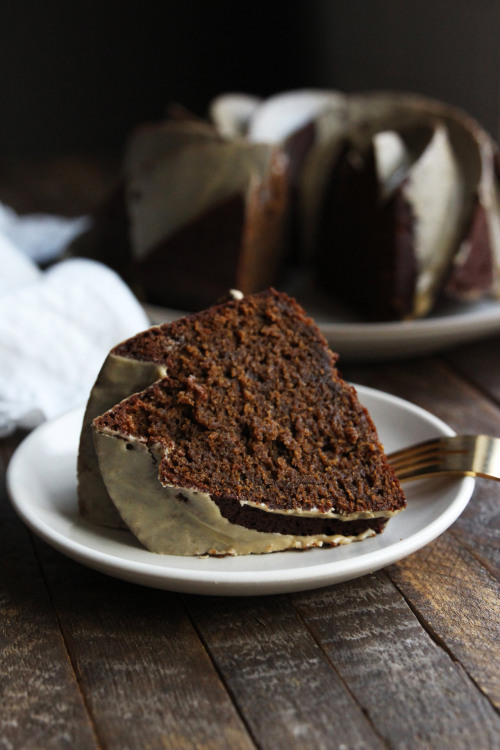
40	702
479	525
435	386
460	572
146	677
413	692
480	363
280	679
458	601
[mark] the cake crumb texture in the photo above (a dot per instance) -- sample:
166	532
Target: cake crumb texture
253	411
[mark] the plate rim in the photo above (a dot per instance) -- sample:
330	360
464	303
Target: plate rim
235	582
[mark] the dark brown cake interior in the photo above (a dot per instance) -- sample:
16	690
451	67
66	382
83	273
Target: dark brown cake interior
254	410
176	274
362	238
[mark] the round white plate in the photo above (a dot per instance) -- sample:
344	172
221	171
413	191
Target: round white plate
41	479
450	324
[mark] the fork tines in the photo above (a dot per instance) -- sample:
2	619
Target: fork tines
473	455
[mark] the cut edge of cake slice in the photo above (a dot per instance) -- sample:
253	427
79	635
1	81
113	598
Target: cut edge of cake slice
223	502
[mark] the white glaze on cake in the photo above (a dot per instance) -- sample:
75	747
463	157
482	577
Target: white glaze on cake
192	166
435	191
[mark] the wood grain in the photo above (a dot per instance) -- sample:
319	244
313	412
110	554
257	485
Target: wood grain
278	676
146	677
40	702
432	384
457	600
413	692
478	527
480	364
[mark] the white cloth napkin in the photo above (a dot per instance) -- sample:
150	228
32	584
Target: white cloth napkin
56	326
42	237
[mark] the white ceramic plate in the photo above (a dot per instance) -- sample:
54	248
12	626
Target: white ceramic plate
450	324
42	484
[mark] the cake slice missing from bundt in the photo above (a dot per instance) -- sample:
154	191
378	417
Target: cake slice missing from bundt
251	443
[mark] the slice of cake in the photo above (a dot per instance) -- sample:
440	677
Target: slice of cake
250	443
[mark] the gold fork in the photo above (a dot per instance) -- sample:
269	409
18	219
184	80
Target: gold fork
467	455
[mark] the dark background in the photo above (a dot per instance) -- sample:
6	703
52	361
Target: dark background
77	76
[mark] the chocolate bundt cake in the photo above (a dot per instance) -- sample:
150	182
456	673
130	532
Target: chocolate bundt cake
251	442
389	201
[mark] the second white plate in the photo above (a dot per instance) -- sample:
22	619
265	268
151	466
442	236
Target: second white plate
41	480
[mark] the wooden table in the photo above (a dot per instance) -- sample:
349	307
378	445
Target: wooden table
408	657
